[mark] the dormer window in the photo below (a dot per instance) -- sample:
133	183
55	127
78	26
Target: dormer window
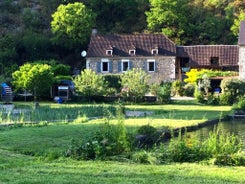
154	51
132	52
214	61
109	52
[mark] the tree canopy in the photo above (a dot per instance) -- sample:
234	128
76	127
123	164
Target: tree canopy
35	78
73	21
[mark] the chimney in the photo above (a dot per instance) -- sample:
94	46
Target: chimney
94	31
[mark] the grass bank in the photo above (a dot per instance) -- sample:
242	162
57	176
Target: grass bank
17	168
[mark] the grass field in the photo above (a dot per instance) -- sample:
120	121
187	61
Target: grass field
35	153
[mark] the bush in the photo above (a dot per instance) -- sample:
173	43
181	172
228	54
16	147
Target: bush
236	159
189	90
177	88
232	90
144	157
110	140
113	81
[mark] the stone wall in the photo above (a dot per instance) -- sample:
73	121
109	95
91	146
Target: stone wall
242	62
164	66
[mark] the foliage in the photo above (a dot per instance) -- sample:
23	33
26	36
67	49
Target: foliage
189	90
177	88
221	143
207	20
232	90
73	21
123	16
218	145
144	157
113	81
194	74
89	84
135	82
110	140
164	93
36	78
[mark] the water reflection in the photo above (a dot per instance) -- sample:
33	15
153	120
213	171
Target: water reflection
233	126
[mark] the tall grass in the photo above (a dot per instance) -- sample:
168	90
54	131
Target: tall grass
60	114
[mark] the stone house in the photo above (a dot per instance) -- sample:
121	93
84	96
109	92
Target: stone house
160	57
115	54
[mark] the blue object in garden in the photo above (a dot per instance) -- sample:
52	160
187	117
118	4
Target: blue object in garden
60	100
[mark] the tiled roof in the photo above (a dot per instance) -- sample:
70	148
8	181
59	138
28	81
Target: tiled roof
241	39
201	54
121	44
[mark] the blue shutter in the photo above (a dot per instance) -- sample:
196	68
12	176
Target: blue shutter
98	67
145	67
155	66
130	65
119	66
110	66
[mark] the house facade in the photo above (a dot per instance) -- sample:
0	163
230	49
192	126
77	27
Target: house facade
160	57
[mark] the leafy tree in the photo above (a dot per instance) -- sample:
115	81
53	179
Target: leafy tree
120	16
135	83
73	21
168	17
35	78
89	84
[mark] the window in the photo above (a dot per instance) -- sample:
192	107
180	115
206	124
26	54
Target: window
125	65
151	65
131	52
154	51
105	65
109	52
214	61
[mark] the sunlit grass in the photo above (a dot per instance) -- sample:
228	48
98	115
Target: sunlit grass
16	168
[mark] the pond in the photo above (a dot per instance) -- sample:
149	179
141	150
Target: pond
234	126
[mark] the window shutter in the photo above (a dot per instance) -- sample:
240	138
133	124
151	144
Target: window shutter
130	65
119	66
98	67
110	66
155	66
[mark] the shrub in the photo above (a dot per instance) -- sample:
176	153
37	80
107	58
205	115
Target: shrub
177	88
226	99
148	136
221	143
189	90
113	81
164	93
236	159
144	157
233	89
110	140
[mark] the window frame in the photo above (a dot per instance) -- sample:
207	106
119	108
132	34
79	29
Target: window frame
122	65
149	61
109	52
102	66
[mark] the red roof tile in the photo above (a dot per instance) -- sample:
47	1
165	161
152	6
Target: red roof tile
201	54
121	44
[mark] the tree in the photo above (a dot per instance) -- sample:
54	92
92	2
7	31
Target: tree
120	16
135	83
168	17
73	21
89	84
35	78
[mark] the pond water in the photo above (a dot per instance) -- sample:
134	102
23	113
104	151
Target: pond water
234	126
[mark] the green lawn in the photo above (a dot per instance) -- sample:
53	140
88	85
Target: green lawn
16	168
28	154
